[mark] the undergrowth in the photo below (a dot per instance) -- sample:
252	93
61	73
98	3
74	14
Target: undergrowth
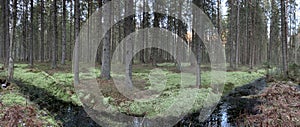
174	88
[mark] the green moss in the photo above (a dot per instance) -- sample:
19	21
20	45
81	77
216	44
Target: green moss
172	64
242	78
166	64
185	101
56	85
174	88
11	99
175	81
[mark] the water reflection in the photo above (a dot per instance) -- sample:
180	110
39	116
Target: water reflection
223	112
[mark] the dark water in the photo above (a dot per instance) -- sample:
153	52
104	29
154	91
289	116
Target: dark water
230	108
224	115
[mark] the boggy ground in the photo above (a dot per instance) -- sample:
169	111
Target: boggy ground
51	91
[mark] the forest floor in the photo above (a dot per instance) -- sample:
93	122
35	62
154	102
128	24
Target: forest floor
57	86
280	106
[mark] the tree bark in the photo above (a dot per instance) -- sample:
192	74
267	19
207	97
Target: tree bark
231	39
274	31
237	35
219	16
31	35
2	41
129	27
76	49
71	32
5	32
54	43
284	39
13	39
41	48
142	52
105	68
178	43
64	34
24	47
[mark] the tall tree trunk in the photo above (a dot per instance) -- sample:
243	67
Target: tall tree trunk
237	42
105	68
179	54
54	42
231	35
142	52
5	32
2	41
284	39
64	34
41	48
273	30
129	27
24	32
197	43
198	79
219	16
155	40
71	31
251	36
31	35
76	49
7	38
247	34
12	41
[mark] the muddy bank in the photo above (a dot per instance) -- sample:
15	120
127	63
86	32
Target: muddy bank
230	107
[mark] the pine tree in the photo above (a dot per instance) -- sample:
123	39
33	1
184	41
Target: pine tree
76	49
105	68
284	38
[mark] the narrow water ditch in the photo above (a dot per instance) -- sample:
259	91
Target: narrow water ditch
69	114
230	107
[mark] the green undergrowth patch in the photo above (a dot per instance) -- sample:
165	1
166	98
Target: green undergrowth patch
242	78
236	79
176	90
168	80
13	98
172	64
59	86
171	104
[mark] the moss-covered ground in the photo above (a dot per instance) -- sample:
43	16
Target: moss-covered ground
163	79
16	106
